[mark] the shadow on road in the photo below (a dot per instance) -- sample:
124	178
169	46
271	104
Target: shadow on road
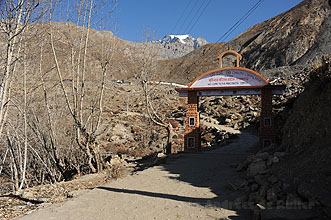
157	195
211	169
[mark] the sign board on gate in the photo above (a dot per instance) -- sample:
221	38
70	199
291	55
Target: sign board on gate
229	81
229	77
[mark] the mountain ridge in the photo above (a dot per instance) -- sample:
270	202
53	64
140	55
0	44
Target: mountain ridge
180	45
295	37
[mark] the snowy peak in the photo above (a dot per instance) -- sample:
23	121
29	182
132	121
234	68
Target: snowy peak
185	39
177	45
181	38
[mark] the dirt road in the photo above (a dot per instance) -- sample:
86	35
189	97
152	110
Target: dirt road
189	186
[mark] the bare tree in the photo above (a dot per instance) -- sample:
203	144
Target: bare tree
86	123
39	143
14	18
2	161
145	75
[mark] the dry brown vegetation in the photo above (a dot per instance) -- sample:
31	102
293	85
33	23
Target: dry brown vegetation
64	116
54	110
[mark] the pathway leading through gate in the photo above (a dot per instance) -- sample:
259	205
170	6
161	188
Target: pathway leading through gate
229	81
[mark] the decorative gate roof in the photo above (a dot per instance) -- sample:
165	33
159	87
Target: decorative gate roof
229	77
230	81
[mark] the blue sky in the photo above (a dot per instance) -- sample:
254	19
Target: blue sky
165	17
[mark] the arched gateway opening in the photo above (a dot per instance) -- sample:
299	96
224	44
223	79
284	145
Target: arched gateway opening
229	81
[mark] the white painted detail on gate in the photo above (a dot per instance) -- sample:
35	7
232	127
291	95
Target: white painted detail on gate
229	78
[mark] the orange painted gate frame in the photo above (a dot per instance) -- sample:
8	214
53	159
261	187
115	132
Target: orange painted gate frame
192	134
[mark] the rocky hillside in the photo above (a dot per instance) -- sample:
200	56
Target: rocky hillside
125	57
306	133
306	136
299	36
311	112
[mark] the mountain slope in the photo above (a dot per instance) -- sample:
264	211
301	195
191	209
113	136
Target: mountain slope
286	38
295	37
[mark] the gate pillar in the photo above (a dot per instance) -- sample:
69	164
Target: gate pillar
267	134
192	137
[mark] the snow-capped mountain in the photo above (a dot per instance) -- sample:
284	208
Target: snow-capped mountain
183	39
180	45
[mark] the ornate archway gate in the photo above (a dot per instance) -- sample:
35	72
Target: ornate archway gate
229	81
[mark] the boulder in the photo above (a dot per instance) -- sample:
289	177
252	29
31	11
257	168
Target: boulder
272	160
275	159
250	158
27	195
263	155
261	180
256	168
228	121
257	160
279	154
273	179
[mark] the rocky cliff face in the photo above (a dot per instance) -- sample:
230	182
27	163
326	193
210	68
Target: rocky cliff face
293	37
306	138
310	119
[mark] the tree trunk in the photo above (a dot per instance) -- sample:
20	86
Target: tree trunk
97	157
90	157
169	139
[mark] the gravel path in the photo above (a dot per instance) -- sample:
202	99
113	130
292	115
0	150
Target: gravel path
188	186
215	124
